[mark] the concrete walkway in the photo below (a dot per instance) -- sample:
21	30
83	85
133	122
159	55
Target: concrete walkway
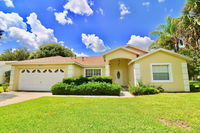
13	97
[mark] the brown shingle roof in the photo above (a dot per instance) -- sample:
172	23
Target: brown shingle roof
84	61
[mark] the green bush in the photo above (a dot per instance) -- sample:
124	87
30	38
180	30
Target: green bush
5	86
100	79
82	80
141	90
193	88
58	88
94	88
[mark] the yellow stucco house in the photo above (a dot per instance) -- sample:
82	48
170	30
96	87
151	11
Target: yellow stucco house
126	65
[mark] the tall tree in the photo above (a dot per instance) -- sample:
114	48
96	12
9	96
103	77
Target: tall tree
49	50
15	55
167	36
189	26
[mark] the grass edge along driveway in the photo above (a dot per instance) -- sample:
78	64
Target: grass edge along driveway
167	112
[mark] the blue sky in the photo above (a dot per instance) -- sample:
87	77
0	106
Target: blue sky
88	27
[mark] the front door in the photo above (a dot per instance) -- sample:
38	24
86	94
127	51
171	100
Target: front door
118	77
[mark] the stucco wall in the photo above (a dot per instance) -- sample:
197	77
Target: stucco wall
3	69
162	57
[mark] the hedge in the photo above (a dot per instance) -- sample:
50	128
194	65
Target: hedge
143	89
139	90
82	80
58	88
91	88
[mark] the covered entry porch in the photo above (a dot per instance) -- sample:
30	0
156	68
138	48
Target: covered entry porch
117	65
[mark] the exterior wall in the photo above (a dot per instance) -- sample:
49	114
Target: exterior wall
14	83
120	54
3	69
177	84
123	66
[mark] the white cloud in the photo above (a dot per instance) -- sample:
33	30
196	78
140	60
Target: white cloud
8	20
94	42
100	11
79	54
9	3
16	29
141	42
51	9
160	1
62	18
146	4
123	10
79	7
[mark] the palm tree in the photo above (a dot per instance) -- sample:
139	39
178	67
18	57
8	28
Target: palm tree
189	26
167	36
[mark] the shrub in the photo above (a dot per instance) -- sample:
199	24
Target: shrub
194	89
5	86
100	79
58	88
141	90
94	88
82	80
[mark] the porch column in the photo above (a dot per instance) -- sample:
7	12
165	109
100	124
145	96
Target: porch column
137	76
107	71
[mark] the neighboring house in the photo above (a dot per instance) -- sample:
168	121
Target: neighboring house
3	68
126	65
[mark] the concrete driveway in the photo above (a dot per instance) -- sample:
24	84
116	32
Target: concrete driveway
13	97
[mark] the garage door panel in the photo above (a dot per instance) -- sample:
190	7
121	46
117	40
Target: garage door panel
39	79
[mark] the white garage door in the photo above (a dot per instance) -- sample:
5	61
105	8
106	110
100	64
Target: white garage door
39	79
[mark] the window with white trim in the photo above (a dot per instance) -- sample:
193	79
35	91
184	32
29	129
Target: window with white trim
92	72
160	72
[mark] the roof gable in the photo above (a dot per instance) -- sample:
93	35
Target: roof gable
163	50
123	48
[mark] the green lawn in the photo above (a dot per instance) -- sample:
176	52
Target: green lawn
103	115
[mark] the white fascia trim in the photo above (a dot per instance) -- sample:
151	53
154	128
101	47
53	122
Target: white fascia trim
170	73
84	70
123	49
160	49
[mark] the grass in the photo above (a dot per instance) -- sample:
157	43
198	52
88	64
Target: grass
100	115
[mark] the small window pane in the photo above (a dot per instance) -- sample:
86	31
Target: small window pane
97	72
89	73
160	72
92	72
160	76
